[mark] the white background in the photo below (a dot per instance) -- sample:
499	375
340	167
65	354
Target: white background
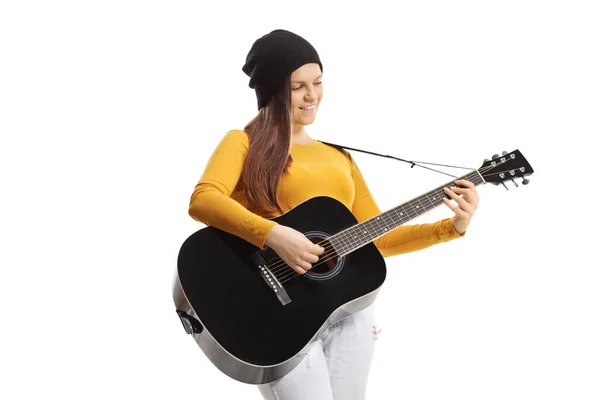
109	111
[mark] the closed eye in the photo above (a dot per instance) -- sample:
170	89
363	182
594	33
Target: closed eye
299	87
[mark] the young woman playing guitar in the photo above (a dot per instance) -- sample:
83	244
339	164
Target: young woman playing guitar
272	166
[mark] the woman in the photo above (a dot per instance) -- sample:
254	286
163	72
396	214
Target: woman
272	166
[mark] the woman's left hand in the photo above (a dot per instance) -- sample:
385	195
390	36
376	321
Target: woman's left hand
466	199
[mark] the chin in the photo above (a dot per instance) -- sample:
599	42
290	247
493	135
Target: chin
306	120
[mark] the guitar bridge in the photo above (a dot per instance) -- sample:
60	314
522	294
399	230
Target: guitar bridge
271	280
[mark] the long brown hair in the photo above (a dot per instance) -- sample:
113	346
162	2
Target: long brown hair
268	155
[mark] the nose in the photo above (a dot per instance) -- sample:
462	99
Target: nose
311	94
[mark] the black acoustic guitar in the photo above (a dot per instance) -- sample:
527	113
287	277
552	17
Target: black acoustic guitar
254	317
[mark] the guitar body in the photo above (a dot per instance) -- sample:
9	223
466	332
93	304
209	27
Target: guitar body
238	320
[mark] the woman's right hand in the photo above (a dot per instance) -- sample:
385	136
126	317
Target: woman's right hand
293	247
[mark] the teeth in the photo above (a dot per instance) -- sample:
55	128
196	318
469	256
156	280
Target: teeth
308	108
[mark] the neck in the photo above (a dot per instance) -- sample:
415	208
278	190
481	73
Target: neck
299	134
367	231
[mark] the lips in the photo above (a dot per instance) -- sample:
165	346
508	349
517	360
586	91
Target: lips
309	108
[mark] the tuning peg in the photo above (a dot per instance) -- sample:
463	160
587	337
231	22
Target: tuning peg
504	153
486	160
495	156
525	181
513	181
504	185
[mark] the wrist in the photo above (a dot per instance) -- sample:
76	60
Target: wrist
459	226
271	235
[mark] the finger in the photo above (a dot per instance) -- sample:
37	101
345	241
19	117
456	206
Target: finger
450	205
318	249
461	191
312	258
465	182
455	209
469	185
450	192
471	196
466	193
305	265
461	203
476	193
465	197
298	269
465	206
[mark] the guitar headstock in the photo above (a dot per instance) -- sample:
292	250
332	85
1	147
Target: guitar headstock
506	167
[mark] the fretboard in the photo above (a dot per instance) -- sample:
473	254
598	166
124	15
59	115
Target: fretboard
367	231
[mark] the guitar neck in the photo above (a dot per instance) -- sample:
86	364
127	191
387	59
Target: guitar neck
355	237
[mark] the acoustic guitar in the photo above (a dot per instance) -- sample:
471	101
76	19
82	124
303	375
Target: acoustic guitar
254	317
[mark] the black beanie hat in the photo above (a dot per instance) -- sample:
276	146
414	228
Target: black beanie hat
274	57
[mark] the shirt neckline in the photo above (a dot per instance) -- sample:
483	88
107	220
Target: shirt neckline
305	144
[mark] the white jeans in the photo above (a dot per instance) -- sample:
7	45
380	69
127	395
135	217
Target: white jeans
336	367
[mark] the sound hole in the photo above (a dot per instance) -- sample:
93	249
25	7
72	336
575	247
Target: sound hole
327	260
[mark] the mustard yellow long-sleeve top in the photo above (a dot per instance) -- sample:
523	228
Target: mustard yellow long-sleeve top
316	170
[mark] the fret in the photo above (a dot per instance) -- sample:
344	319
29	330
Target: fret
390	223
344	242
390	219
367	230
348	240
420	205
349	236
413	210
433	205
397	212
338	244
433	198
414	207
405	215
354	233
378	221
360	233
374	227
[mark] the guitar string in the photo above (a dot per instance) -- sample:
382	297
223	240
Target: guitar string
288	271
384	219
291	274
280	265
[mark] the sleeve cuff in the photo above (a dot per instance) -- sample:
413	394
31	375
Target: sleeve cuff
448	232
258	231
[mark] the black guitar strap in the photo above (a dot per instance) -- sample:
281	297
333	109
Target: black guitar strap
412	163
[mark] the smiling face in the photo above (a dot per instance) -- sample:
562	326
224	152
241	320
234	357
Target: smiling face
307	92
